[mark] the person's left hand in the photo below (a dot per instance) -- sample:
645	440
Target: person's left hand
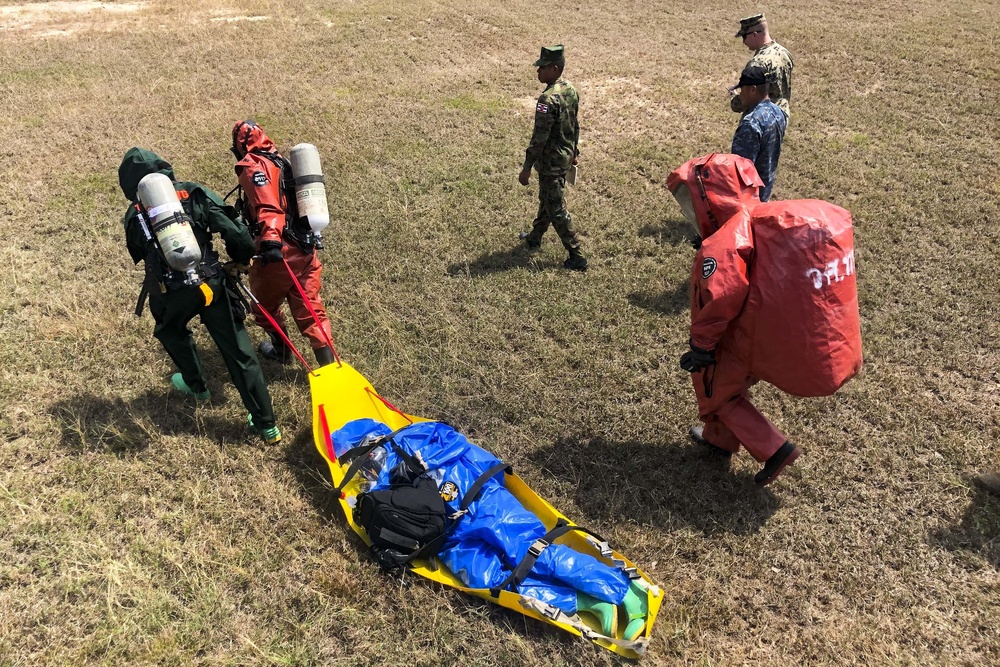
524	176
576	159
697	359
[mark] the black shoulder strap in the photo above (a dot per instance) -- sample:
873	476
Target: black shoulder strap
473	493
143	293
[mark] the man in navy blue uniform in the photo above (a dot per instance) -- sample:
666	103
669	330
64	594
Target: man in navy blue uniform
758	137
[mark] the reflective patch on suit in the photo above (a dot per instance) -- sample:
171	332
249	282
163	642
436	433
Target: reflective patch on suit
259	178
542	108
708	267
448	491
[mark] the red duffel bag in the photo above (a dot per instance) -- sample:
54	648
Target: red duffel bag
801	313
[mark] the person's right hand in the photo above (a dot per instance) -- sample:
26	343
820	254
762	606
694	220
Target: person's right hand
524	176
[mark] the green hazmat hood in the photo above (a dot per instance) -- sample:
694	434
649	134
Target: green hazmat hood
137	163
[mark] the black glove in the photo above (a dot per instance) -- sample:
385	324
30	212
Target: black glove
696	242
270	251
697	359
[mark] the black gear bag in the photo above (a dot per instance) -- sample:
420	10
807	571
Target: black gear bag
409	520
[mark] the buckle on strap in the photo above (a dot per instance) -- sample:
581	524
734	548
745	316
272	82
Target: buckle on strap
605	549
537	547
551	612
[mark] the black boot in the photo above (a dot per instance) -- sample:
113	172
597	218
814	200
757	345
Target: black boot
532	243
275	350
576	261
785	455
324	356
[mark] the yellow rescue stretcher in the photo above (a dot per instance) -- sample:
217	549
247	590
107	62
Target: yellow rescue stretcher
340	394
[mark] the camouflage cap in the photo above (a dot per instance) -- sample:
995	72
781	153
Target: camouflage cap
750	22
550	55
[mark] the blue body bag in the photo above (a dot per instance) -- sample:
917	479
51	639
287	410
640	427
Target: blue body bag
485	544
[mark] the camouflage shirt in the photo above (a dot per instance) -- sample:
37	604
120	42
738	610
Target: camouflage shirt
554	142
777	62
758	139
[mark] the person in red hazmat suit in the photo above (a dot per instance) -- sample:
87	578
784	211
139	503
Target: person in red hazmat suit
773	297
269	209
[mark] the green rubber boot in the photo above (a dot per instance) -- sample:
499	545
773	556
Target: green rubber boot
605	612
177	380
272	435
636	608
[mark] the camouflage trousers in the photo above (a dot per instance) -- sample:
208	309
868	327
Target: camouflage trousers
552	211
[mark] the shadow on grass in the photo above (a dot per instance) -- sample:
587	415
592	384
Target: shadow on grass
502	260
97	423
978	532
670	302
670	232
313	475
670	486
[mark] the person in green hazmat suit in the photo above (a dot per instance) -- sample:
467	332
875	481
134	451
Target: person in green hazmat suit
176	297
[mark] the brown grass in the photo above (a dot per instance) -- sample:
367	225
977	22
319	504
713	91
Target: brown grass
138	529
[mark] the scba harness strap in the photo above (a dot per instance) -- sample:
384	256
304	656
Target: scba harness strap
158	271
297	229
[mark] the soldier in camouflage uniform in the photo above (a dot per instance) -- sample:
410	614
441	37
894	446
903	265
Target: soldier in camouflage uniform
552	152
771	56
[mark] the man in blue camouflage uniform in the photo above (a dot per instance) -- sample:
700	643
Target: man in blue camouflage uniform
772	57
552	152
762	128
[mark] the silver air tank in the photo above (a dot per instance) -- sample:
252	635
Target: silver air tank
310	193
170	225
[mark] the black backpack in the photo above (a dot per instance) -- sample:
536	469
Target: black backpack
404	522
409	520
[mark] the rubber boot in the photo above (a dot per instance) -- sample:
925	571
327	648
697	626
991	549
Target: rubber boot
275	350
636	608
990	481
177	380
697	433
785	456
272	435
324	356
605	612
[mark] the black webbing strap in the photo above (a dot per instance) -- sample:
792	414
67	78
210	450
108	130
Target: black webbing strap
310	178
704	196
470	497
399	540
523	568
359	453
143	293
477	486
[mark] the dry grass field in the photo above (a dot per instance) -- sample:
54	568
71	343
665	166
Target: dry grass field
138	529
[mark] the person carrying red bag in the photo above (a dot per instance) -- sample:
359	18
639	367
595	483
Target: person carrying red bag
773	297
